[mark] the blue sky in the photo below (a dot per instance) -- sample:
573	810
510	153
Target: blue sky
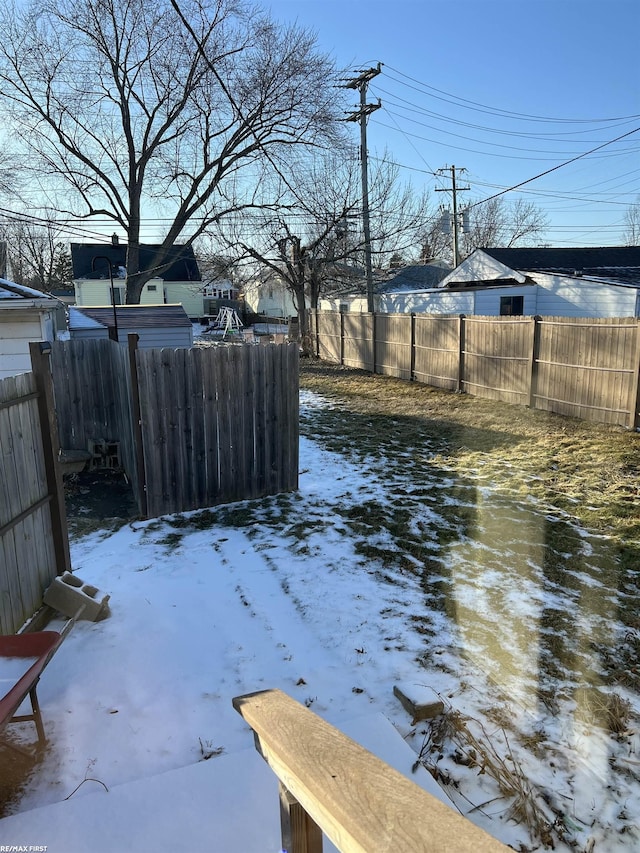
460	78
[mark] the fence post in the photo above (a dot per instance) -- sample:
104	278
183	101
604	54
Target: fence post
374	335
533	369
317	336
461	346
412	350
634	396
40	353
341	336
136	415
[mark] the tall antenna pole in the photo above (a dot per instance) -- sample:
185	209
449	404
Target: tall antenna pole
361	82
455	190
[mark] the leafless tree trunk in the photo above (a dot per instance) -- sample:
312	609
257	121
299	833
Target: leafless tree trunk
170	109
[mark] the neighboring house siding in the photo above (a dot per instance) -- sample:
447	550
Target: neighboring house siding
17	330
273	299
187	294
426	303
559	296
94	292
487	301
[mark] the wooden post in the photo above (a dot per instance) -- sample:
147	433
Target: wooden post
317	330
341	336
374	334
300	834
461	344
412	351
535	352
136	416
634	396
41	368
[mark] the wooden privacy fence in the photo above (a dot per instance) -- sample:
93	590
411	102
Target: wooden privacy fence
196	427
586	368
218	424
34	546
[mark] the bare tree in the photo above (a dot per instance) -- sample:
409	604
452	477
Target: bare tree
174	108
313	241
37	254
632	224
493	223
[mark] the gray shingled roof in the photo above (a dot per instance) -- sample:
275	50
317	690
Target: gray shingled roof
415	277
129	316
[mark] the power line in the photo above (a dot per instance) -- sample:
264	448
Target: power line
555	168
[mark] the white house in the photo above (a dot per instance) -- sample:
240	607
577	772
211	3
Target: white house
96	266
25	315
556	282
268	294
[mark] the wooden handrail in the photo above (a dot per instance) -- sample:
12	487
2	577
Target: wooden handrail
331	784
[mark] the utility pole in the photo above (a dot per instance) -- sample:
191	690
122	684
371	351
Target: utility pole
455	190
361	83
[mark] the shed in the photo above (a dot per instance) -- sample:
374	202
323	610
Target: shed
156	325
25	315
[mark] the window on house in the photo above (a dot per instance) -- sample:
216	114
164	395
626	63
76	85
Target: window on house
511	306
152	287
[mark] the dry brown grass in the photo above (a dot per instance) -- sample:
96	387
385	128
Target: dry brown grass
587	470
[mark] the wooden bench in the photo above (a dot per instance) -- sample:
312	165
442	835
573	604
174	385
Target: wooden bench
23	658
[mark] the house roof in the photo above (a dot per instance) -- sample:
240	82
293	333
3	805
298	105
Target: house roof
182	263
129	317
620	263
414	277
11	291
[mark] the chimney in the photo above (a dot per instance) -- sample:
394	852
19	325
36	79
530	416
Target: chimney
115	240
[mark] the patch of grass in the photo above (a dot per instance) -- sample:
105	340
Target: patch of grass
588	470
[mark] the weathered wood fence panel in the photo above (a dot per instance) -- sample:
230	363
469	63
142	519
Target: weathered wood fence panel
328	334
497	358
358	333
581	367
33	534
437	350
92	382
219	424
588	369
393	345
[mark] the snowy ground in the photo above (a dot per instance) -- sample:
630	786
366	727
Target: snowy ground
378	571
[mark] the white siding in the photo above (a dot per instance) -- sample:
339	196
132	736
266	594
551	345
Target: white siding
487	300
17	329
272	298
559	296
428	302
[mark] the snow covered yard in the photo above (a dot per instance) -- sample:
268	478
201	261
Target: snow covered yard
385	567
